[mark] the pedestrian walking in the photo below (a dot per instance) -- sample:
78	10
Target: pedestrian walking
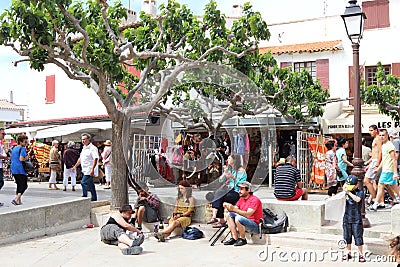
106	156
18	155
70	157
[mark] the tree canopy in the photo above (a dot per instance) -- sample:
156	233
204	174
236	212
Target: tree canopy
92	42
384	92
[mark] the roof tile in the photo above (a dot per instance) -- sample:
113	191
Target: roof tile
303	48
5	104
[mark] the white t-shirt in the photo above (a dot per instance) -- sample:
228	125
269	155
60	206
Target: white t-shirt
88	155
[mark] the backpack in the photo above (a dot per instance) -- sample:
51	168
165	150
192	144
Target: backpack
192	233
271	224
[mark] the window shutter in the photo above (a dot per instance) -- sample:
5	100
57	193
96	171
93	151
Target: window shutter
323	72
383	13
285	64
50	89
396	69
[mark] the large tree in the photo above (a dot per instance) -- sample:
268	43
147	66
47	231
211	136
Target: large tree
385	93
89	42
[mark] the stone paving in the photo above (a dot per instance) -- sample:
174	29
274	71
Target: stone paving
83	247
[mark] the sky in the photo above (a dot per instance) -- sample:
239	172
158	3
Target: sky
16	79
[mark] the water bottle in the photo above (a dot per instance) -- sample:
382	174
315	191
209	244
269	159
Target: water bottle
161	225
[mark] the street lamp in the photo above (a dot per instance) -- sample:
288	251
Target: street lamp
353	19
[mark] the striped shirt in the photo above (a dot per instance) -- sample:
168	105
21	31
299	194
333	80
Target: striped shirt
286	178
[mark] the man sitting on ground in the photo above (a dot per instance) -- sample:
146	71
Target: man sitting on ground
114	232
288	183
245	215
146	207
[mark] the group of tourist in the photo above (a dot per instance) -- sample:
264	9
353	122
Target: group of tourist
87	159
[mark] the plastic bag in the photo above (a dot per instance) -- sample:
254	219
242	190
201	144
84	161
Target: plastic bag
334	207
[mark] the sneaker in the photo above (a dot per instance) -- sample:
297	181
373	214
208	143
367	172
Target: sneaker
138	241
230	242
132	250
240	242
373	207
381	206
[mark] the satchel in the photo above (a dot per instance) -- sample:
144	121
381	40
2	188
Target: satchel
27	164
55	165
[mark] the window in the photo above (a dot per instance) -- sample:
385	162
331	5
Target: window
377	13
311	66
371	71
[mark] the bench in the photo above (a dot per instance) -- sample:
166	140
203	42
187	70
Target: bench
302	214
25	222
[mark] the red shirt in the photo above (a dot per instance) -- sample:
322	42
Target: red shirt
254	203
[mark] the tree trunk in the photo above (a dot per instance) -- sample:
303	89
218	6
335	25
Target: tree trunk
119	183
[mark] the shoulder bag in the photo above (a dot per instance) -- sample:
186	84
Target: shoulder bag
27	164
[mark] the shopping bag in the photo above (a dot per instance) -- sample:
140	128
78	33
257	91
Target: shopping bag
334	207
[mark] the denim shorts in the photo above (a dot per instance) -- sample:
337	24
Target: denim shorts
353	229
250	225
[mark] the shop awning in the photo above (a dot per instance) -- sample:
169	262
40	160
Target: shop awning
27	129
344	124
73	128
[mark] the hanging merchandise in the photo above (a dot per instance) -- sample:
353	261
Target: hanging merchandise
318	150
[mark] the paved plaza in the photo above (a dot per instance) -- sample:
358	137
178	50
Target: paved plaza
82	247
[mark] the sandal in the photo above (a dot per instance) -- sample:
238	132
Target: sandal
213	220
219	225
347	257
361	258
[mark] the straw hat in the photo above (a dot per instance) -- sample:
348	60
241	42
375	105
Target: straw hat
107	143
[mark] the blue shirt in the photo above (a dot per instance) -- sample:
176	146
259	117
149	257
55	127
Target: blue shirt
341	164
16	164
240	177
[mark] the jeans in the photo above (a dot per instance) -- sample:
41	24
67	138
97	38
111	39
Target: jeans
1	177
88	184
250	225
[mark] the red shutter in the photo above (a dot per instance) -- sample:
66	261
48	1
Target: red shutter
377	13
50	89
323	72
396	69
285	64
351	84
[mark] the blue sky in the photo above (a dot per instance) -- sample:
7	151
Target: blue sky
13	77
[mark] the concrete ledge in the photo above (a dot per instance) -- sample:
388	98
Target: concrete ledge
303	215
167	207
395	212
25	222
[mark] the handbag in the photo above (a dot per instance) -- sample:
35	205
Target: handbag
27	164
55	165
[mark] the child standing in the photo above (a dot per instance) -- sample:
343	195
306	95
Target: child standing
352	219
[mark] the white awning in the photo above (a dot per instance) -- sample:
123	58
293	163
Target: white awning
344	124
27	129
67	129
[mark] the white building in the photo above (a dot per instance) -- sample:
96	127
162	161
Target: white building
311	34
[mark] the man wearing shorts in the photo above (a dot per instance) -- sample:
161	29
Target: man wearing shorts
376	158
388	166
244	216
288	184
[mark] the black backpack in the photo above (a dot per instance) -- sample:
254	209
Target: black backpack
271	224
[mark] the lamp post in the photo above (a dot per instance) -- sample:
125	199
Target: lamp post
353	19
